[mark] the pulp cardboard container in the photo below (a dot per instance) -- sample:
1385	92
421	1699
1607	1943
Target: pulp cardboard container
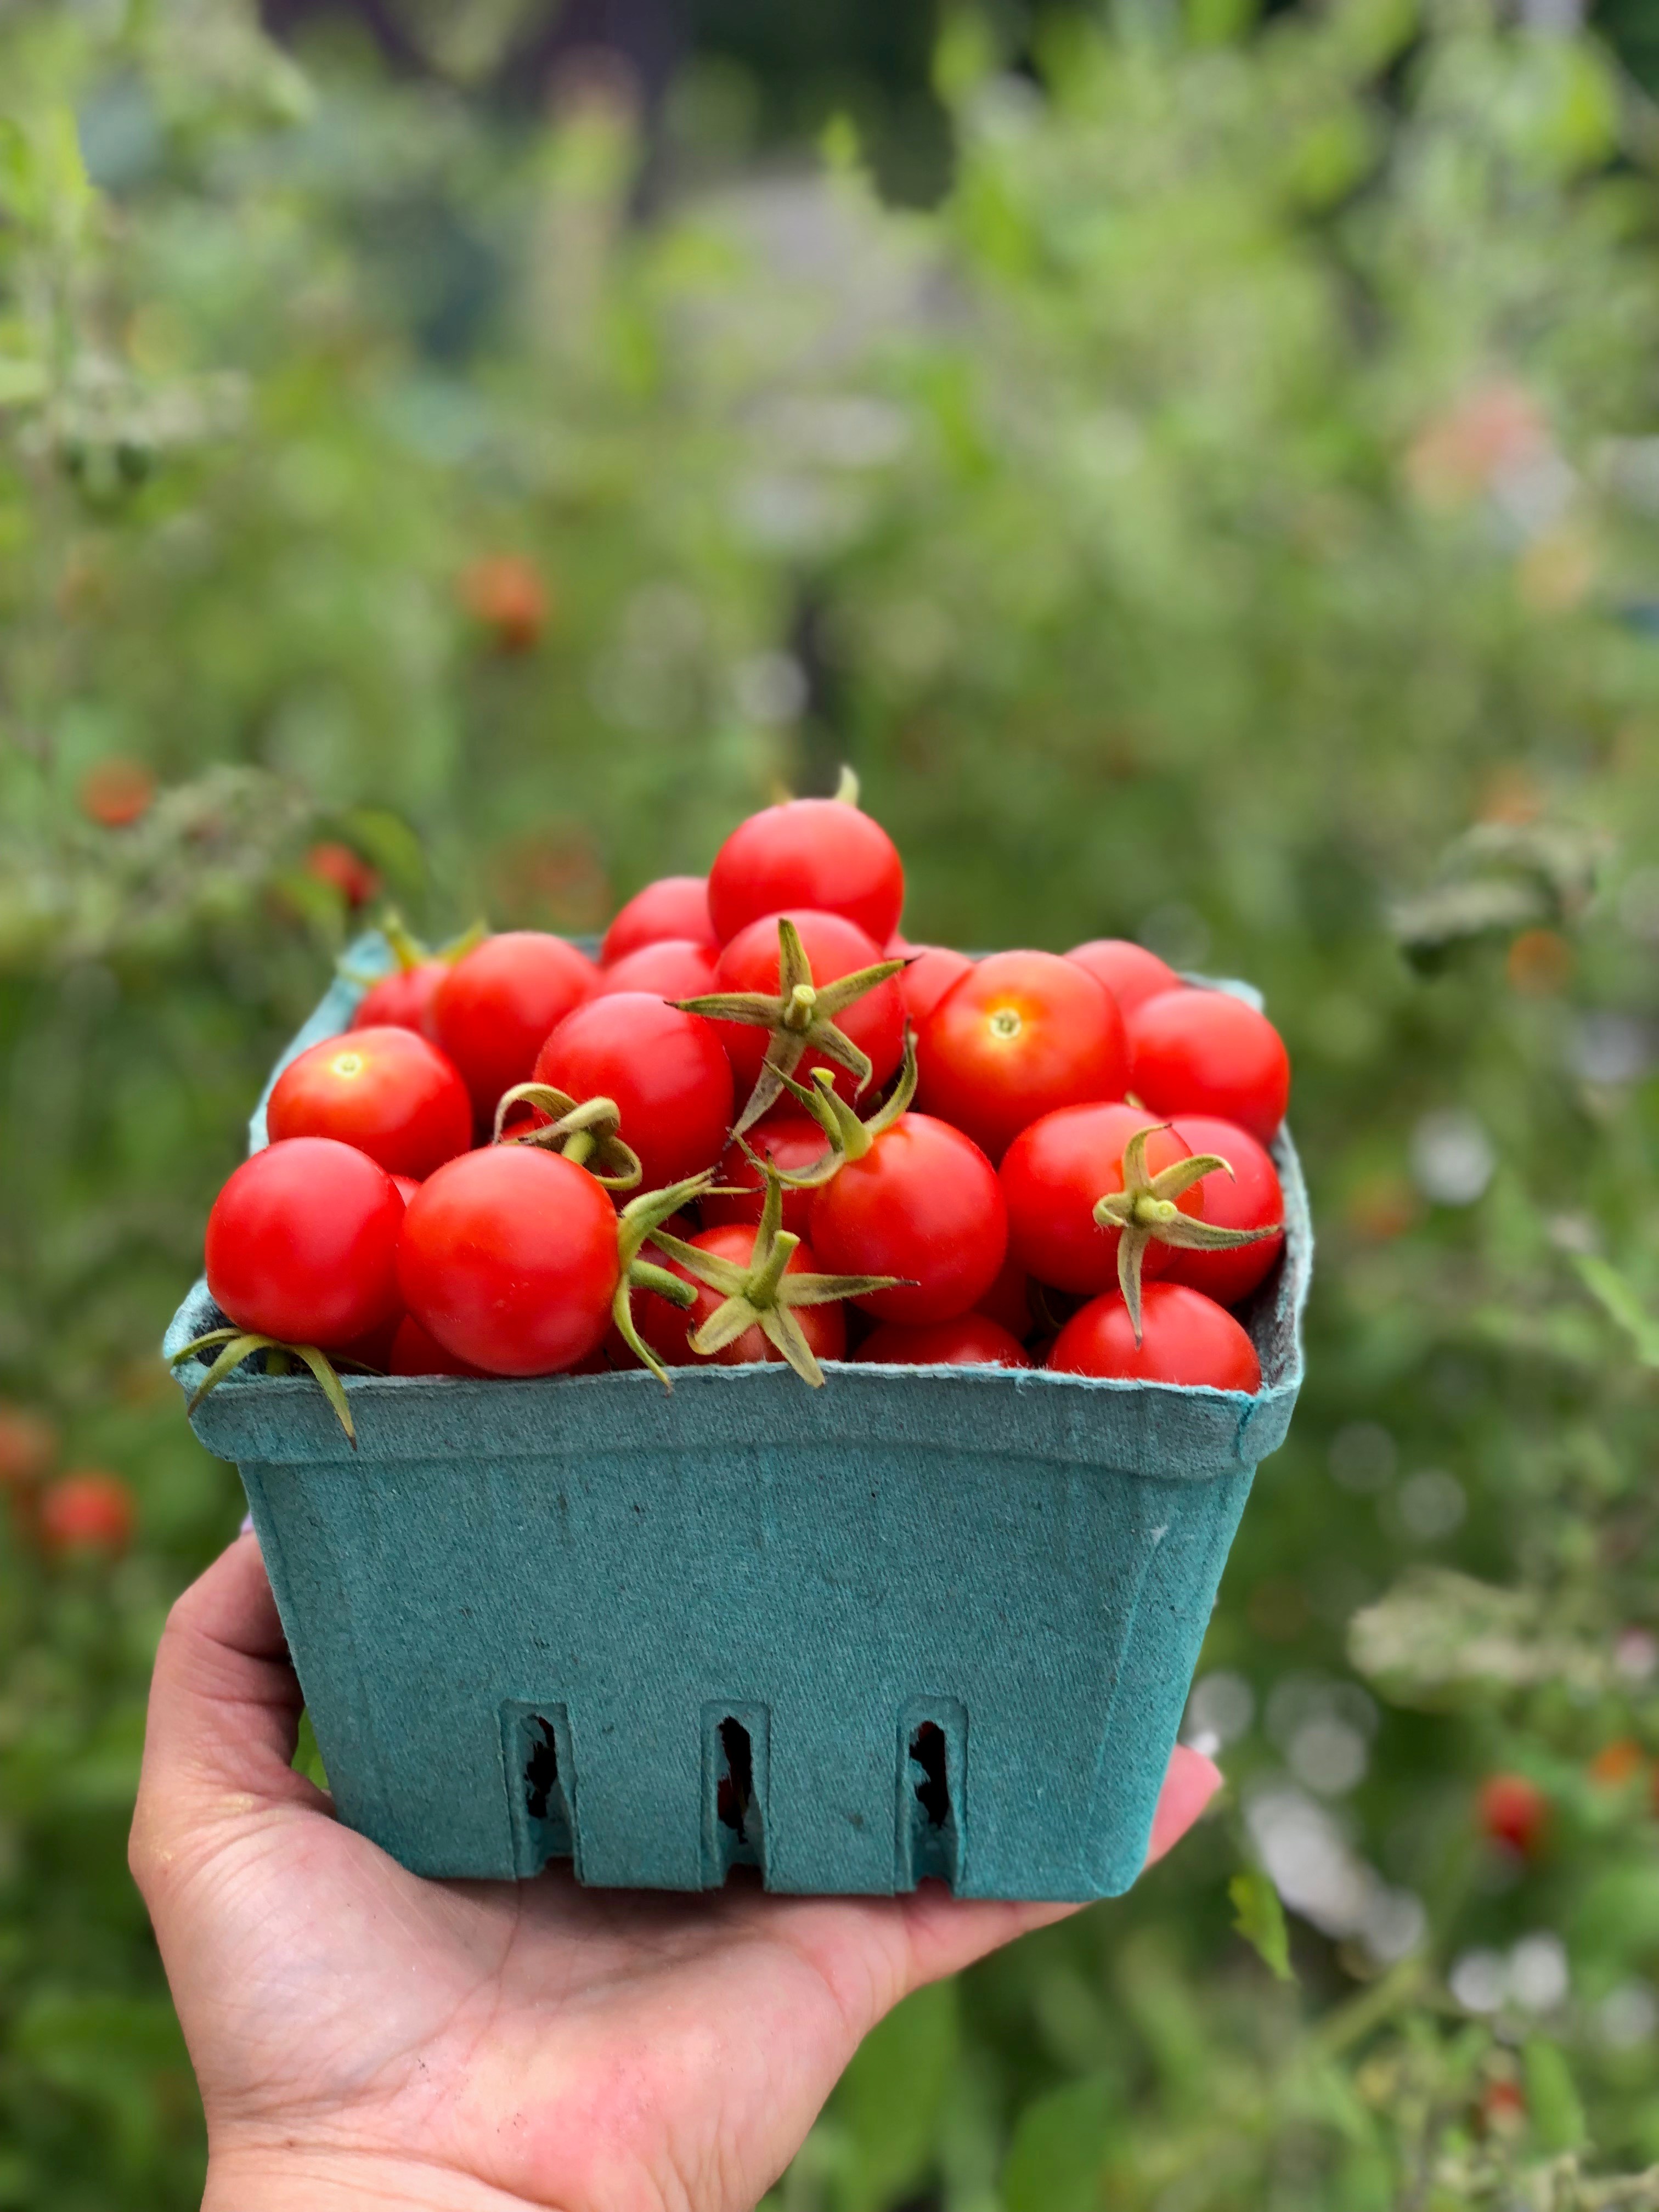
921	1621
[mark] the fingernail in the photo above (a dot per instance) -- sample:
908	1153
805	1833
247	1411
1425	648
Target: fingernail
247	1528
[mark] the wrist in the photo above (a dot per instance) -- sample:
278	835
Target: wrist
279	2177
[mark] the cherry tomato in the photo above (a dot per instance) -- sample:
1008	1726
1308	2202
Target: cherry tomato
1053	1176
498	1004
1185	1338
668	1328
302	1244
117	793
674	907
509	1259
416	1350
833	947
1129	972
28	1445
820	854
343	871
504	592
971	1340
930	974
675	969
386	1090
1022	1033
374	1349
922	1203
667	1072
792	1140
403	1001
1008	1301
1205	1052
1514	1812
1250	1198
87	1511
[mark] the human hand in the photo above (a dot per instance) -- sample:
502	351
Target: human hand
364	2038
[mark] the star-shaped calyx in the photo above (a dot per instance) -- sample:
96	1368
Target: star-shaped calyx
1145	1211
763	1295
235	1344
801	1017
849	1136
586	1135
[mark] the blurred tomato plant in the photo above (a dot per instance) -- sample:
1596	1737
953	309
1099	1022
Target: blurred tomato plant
1227	519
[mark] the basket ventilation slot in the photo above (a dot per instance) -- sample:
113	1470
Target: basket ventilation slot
736	1753
932	1757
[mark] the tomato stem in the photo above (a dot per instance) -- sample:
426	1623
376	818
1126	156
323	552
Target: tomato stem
641	1221
1144	1212
238	1345
588	1135
763	1294
801	1017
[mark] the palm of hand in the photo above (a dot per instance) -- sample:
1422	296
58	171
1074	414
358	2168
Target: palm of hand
397	2041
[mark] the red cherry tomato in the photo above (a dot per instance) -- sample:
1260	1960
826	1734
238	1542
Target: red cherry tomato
1185	1338
833	947
667	1071
923	1203
1053	1174
416	1350
302	1244
971	1340
672	906
675	969
374	1349
509	1259
792	1140
498	1004
818	853
386	1090
668	1328
1513	1812
1008	1301
1129	972
930	974
1250	1198
1023	1033
28	1445
86	1511
343	871
402	1001
117	793
1205	1052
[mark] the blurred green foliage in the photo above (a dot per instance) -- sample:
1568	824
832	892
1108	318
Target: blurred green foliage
1228	518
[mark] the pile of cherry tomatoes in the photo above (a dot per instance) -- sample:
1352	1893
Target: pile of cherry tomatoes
703	1148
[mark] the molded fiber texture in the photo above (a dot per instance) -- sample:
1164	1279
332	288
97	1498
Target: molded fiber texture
922	1621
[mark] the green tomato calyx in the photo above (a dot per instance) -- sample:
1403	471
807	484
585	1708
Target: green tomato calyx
234	1345
1144	1212
588	1135
801	1017
763	1294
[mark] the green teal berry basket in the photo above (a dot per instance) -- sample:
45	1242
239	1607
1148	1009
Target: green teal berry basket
924	1621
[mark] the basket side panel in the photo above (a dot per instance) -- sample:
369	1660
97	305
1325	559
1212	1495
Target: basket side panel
828	1602
1161	1651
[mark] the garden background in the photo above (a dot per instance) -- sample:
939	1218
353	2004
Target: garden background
1203	471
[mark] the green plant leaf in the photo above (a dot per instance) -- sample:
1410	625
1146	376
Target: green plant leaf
1258	1918
1613	1293
1059	2143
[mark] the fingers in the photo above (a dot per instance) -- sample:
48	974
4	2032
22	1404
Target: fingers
224	1712
924	1937
1188	1785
